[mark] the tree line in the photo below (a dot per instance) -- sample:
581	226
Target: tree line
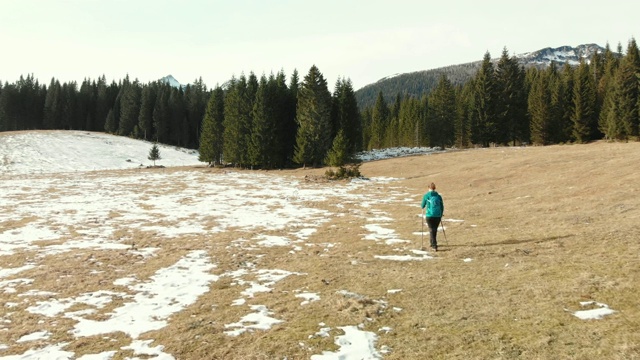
269	122
154	111
247	122
504	104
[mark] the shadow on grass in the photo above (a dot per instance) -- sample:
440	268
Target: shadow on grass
512	242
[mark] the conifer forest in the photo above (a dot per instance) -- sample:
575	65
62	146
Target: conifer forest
276	122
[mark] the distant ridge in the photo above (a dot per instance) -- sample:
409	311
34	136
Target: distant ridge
419	83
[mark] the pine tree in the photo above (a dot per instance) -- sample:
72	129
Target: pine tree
129	106
211	142
161	114
102	104
178	123
285	121
584	98
346	116
540	108
263	137
379	123
154	154
409	118
441	114
53	106
606	94
511	101
237	122
623	117
463	112
338	155
9	108
113	118
287	124
145	117
86	104
564	126
627	91
483	116
196	98
367	121
313	116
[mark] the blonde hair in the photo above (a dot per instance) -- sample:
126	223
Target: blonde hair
432	186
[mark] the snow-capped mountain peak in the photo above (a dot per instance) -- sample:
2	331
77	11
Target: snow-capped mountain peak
561	55
169	79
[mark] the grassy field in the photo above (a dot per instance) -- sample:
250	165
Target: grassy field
530	234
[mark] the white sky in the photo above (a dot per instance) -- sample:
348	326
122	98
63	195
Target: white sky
358	39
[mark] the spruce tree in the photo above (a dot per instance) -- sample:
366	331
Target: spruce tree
154	154
346	116
129	106
178	122
627	90
284	109
145	116
263	137
86	104
441	114
379	123
584	98
53	106
9	108
338	155
565	124
102	104
606	94
161	114
211	141
624	103
511	101
540	108
196	98
463	112
408	122
313	116
237	122
483	115
560	126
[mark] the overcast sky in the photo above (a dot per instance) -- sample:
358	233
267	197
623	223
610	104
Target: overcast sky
363	40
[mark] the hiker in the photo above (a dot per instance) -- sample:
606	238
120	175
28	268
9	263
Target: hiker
433	214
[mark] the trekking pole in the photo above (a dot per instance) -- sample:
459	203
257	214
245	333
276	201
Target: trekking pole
445	234
422	231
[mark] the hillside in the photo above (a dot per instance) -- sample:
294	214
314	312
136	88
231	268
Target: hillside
539	260
73	151
419	83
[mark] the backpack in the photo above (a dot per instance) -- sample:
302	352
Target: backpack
435	206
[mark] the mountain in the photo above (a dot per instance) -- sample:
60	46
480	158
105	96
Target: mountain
169	79
560	55
420	83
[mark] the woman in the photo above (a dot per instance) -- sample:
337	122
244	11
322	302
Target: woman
434	211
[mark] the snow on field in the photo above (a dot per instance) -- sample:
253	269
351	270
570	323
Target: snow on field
55	203
72	151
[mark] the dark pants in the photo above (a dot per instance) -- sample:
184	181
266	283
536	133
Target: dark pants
433	223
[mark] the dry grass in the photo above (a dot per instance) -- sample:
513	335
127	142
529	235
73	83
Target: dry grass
545	227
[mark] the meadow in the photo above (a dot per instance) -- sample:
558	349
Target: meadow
539	260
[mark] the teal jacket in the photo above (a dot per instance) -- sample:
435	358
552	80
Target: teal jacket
433	201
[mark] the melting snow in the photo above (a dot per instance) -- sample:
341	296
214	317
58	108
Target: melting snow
599	312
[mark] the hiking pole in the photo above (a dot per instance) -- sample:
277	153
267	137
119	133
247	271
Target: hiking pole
445	234
422	231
